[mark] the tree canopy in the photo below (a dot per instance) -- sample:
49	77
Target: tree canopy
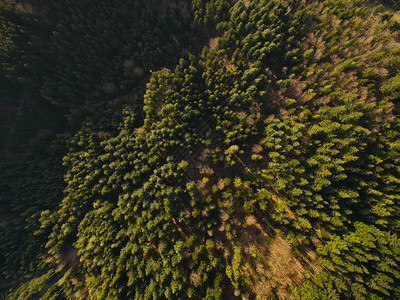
200	150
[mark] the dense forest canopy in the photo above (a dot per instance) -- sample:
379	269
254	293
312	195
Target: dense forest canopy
226	149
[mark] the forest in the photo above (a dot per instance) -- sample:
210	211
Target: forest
203	149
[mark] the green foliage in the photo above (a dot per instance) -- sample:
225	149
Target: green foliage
180	183
122	41
33	185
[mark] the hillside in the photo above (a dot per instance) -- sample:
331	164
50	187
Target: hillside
200	150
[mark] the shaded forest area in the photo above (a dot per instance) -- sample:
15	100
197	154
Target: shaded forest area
199	149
